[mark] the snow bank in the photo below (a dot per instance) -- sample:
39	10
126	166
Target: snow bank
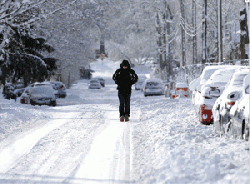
171	146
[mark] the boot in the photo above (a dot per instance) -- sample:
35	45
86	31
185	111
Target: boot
121	118
126	118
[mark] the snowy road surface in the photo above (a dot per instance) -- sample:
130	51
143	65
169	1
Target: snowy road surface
82	141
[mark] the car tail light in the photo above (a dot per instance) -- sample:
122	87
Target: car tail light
22	101
229	104
62	87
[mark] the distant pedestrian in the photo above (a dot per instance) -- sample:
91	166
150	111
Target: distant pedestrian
124	77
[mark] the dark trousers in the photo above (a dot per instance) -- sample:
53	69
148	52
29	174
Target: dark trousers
124	99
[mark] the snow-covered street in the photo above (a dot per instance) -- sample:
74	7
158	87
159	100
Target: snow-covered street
81	140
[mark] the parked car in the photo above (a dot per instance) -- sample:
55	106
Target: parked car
59	89
196	85
42	95
180	90
239	123
141	79
153	87
18	92
102	81
210	92
221	109
94	84
24	98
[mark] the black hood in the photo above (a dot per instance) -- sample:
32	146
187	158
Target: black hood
125	63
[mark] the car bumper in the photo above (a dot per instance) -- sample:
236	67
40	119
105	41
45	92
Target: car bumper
153	92
42	102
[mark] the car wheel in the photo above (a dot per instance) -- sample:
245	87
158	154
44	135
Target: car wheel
53	103
32	102
221	125
245	131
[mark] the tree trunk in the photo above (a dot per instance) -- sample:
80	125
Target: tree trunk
159	42
194	37
183	40
204	32
220	50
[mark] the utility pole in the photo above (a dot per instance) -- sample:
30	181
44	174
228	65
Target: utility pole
220	50
204	32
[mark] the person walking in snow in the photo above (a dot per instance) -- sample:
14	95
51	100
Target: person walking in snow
124	77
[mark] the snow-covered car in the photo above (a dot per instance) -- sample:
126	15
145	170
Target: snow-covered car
196	85
180	90
24	99
42	95
153	87
210	92
94	84
102	81
239	114
138	84
18	92
233	91
59	89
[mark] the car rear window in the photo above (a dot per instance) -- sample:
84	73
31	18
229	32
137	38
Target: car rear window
42	90
152	84
238	79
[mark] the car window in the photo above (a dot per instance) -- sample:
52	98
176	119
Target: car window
152	84
239	79
42	90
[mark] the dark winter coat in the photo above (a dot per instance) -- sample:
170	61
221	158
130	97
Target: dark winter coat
125	78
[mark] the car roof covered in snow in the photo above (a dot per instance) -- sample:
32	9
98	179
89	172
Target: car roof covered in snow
153	80
94	80
209	70
181	85
221	76
238	78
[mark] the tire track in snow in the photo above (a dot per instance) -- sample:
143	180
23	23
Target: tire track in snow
13	152
109	156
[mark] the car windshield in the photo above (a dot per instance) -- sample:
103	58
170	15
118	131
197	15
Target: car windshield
238	79
207	73
220	77
42	90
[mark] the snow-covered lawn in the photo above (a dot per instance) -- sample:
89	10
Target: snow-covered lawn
82	141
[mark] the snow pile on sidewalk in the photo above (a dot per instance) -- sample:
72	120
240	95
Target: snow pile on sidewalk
171	146
14	115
